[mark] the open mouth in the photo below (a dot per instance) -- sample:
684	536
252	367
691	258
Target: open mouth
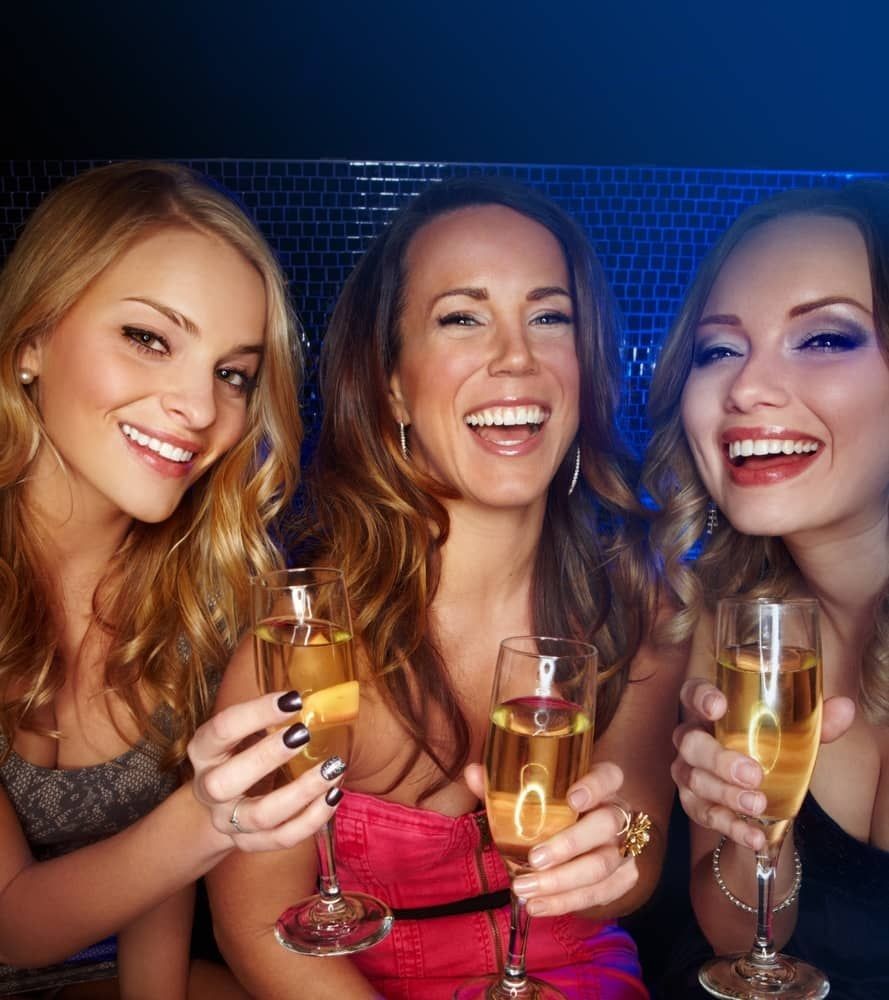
507	423
162	448
768	451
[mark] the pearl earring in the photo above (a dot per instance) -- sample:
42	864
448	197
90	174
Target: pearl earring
26	376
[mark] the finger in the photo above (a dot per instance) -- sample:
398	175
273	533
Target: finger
219	735
287	835
269	812
238	774
721	820
475	779
701	750
703	699
593	880
710	788
839	714
600	783
595	829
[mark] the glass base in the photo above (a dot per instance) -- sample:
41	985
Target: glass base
495	988
736	977
350	923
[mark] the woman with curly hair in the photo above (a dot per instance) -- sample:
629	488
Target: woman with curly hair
470	482
770	404
149	371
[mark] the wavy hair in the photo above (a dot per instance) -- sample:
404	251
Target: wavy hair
173	598
384	522
731	562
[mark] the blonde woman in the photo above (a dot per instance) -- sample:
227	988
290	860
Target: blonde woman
148	417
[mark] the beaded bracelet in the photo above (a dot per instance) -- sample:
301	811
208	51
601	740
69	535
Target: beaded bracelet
746	907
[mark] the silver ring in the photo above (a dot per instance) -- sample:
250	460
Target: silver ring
233	819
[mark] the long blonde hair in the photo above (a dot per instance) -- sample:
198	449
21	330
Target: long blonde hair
731	562
174	596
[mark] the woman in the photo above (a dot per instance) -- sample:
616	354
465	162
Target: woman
146	352
771	398
466	466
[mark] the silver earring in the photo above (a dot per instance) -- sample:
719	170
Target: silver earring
402	437
712	517
26	376
576	475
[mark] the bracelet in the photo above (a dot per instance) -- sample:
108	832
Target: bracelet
746	907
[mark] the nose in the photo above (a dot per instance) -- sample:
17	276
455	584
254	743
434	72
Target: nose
191	400
512	351
760	381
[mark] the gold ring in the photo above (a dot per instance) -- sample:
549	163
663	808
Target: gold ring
634	833
233	819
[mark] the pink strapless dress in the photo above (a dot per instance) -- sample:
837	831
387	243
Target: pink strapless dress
415	859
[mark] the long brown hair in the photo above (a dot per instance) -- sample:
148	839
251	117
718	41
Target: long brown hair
380	519
176	592
731	562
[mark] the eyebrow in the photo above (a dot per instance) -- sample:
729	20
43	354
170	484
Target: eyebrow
482	294
184	323
729	319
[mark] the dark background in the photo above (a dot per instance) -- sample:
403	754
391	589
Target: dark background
785	85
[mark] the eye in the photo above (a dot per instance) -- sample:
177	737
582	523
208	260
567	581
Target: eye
145	340
458	319
832	342
553	317
707	354
237	379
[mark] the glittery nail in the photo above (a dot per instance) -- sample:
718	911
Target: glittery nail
332	768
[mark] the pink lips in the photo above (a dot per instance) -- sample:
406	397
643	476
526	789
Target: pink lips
766	470
166	467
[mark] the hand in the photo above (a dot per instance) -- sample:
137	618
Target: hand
223	775
716	784
582	865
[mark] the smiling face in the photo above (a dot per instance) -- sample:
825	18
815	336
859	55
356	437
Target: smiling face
487	375
786	406
144	383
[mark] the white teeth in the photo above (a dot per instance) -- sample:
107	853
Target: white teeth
770	446
505	416
163	448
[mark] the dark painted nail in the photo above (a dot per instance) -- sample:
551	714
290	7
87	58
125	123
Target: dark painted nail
290	702
333	796
296	736
332	768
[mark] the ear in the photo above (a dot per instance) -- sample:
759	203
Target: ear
396	400
31	358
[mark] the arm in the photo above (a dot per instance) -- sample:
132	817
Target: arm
581	868
153	951
94	891
715	785
249	891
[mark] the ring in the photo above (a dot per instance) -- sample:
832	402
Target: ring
634	833
233	819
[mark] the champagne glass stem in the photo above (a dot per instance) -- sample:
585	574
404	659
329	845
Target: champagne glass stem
514	977
328	885
763	951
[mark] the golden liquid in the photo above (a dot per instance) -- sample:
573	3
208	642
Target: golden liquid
774	716
536	749
311	657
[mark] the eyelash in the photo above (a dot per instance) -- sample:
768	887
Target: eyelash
552	318
821	342
707	355
141	338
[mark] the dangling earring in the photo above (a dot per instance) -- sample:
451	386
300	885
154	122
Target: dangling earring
402	437
712	517
576	475
26	376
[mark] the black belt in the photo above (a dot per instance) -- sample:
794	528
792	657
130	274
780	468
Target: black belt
477	904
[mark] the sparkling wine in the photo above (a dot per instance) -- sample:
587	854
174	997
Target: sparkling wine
536	749
773	716
316	660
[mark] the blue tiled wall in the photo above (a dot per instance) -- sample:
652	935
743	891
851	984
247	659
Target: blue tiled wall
650	225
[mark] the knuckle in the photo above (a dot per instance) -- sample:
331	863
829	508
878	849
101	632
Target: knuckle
213	786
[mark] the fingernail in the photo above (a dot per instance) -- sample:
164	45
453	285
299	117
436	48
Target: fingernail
579	799
752	802
711	703
333	796
539	857
296	736
754	839
332	768
290	702
522	886
745	773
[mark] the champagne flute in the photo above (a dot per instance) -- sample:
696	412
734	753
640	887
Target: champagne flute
302	633
540	741
769	669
